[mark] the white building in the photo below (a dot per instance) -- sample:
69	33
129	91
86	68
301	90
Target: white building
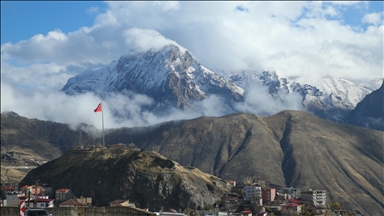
293	192
252	191
318	197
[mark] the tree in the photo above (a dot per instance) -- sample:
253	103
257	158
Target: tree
336	205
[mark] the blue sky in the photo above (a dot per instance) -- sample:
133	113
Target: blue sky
20	20
43	44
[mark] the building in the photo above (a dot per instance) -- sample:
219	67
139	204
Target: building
252	192
232	183
268	194
318	197
62	195
293	208
42	203
294	192
32	189
121	203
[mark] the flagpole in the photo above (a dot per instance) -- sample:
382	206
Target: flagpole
102	121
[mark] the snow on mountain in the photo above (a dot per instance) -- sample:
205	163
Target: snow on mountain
171	76
333	99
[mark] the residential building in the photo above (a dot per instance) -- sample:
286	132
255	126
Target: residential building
232	183
293	192
252	192
32	189
40	202
63	194
318	197
268	195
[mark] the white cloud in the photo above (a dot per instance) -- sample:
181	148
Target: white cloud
292	38
373	18
258	101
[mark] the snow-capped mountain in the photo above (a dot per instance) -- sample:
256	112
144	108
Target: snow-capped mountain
171	76
333	99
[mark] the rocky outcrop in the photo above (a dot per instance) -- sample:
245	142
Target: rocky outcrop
143	177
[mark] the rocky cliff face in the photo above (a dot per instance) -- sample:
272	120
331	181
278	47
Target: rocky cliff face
146	178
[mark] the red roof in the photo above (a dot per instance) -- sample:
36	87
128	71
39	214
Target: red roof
8	188
246	212
62	190
231	198
293	204
25	186
42	200
295	201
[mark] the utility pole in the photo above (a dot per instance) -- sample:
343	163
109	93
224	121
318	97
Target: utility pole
35	201
29	197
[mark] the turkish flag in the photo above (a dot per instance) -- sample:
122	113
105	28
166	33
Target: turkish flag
98	108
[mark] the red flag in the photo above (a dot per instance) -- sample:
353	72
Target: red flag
98	108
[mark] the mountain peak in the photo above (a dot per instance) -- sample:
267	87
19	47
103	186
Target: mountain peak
170	75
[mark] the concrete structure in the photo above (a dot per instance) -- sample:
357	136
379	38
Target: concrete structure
318	197
252	192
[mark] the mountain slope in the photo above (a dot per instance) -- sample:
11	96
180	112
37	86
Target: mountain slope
290	148
370	111
41	140
123	173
